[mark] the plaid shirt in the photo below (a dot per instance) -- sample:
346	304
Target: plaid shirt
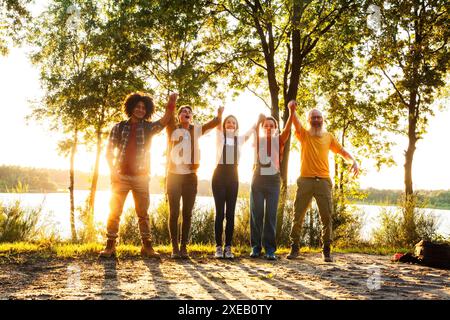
118	140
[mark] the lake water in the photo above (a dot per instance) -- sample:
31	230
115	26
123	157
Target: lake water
56	207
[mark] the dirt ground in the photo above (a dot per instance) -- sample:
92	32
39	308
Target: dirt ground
350	276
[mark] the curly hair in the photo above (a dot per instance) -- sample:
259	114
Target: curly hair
133	99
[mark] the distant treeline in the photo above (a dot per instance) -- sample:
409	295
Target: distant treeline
53	180
439	199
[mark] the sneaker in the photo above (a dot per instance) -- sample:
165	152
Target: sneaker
295	252
175	253
228	254
219	252
255	254
270	256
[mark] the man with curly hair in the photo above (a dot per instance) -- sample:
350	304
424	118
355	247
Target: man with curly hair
128	155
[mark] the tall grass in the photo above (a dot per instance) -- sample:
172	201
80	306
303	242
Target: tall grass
18	223
406	225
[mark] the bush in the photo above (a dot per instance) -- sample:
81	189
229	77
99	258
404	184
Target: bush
18	223
241	236
202	228
406	225
347	224
283	238
160	223
129	228
88	231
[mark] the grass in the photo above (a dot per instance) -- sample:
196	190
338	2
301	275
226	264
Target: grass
21	250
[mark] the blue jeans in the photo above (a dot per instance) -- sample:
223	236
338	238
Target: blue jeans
264	194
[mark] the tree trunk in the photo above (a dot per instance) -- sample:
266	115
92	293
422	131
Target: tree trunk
342	168
413	106
291	95
409	154
94	182
90	228
72	186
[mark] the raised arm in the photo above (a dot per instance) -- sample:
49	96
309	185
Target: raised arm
252	130
295	120
216	121
170	110
287	128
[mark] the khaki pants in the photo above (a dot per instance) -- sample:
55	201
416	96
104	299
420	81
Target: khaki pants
320	189
139	187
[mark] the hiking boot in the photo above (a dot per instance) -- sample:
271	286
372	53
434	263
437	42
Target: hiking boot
219	252
147	249
110	250
326	254
295	252
183	252
227	253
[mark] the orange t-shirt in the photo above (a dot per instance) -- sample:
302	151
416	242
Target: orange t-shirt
314	153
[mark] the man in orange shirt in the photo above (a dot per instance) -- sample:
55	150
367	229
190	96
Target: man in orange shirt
314	180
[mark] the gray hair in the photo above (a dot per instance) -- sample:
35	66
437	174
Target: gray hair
317	110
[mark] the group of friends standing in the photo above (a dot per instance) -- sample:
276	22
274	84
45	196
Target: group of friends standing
128	155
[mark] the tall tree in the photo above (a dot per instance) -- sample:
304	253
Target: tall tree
411	50
62	50
288	33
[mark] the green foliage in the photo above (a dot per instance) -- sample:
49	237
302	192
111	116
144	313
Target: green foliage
241	236
411	53
26	252
286	226
19	180
406	226
129	228
18	223
13	17
88	230
436	199
202	229
346	225
160	223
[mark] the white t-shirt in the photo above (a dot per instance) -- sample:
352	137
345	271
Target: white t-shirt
220	140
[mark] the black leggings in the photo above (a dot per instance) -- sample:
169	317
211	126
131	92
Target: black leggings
225	185
181	186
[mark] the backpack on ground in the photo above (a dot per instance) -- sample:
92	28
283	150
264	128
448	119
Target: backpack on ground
431	254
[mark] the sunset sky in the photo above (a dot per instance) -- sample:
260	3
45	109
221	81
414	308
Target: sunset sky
31	144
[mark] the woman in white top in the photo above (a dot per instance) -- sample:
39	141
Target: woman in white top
225	181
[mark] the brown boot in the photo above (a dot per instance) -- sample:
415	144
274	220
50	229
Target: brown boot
110	250
147	249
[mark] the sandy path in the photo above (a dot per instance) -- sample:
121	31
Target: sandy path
351	276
